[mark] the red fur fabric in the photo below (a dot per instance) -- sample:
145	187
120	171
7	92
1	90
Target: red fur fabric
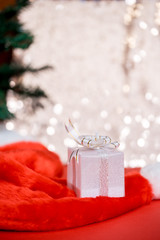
33	198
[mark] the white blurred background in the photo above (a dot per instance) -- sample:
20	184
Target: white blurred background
106	76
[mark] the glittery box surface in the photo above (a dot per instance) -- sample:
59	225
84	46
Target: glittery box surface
96	172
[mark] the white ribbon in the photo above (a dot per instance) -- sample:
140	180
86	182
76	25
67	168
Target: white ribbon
90	141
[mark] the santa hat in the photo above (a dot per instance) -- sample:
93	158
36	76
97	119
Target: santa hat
152	173
33	197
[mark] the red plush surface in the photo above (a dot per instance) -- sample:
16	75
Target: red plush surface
32	198
140	224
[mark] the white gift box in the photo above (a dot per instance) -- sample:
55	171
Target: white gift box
96	172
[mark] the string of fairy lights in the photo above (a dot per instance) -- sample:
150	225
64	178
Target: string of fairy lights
134	53
133	12
124	120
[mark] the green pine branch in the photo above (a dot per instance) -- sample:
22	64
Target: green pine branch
8	71
29	91
21	40
12	11
4	112
12	35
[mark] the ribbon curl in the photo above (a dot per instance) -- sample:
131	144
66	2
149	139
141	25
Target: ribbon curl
90	141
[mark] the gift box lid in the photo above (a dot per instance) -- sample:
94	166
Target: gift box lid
88	152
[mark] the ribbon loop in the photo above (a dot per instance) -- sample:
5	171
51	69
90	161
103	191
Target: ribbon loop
90	141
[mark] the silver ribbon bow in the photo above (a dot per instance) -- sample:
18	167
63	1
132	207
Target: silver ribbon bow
90	141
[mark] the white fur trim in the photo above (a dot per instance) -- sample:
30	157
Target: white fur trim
152	174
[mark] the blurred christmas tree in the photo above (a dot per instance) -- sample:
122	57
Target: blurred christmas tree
12	36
